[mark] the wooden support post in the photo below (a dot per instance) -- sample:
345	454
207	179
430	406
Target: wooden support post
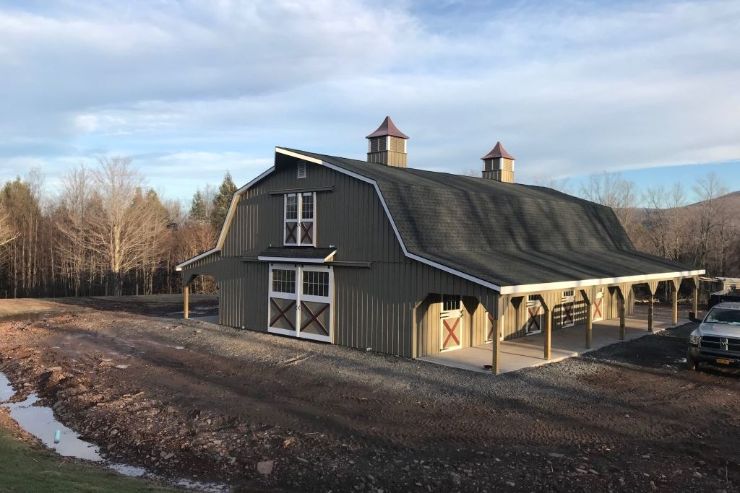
186	301
589	326
622	307
695	304
588	297
548	333
415	324
675	284
653	288
498	320
495	343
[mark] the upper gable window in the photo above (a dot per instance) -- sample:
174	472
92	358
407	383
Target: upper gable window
301	170
300	219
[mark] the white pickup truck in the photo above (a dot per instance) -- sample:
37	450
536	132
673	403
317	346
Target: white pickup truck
717	339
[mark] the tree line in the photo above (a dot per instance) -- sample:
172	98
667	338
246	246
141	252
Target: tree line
105	233
704	233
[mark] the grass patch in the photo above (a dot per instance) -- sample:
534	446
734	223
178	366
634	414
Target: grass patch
25	468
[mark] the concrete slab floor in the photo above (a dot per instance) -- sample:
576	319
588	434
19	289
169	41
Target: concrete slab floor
527	352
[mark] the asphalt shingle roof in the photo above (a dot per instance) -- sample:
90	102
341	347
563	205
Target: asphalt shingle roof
505	233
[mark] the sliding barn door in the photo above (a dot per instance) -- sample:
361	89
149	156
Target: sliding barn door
300	301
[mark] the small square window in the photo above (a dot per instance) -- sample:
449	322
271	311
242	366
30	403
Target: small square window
301	171
316	283
283	281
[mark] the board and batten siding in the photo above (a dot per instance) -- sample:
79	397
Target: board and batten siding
390	305
373	305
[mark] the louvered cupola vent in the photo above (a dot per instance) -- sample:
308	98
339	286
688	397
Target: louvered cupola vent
387	145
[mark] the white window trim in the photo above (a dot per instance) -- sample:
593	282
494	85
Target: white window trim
301	170
298	297
299	219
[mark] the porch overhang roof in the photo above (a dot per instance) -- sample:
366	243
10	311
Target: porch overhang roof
297	255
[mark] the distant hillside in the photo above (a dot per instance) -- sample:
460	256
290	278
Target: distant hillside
699	234
729	202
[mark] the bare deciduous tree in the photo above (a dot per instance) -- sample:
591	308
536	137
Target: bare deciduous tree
7	234
611	190
72	223
123	229
710	224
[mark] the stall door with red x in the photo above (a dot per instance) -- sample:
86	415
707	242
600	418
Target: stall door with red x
598	308
300	301
451	323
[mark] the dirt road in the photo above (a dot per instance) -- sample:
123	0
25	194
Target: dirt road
271	413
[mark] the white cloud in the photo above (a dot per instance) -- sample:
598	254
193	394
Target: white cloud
209	86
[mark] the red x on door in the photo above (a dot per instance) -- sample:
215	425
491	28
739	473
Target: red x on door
597	309
450	325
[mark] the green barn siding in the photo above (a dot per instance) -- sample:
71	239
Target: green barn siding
347	216
373	307
243	295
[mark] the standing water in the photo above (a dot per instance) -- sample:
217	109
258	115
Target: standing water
40	422
6	390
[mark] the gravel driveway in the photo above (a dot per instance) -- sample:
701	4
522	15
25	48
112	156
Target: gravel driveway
186	397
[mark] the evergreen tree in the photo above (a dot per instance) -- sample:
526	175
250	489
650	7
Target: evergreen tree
198	208
221	202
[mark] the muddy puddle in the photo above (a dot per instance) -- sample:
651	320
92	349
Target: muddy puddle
40	422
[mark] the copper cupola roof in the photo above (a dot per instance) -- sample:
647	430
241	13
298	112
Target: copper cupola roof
497	152
388	128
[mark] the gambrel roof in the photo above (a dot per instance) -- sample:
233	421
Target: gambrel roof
510	236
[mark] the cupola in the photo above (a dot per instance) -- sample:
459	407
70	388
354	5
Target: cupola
387	145
498	165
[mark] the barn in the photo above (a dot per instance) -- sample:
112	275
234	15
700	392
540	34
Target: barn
377	254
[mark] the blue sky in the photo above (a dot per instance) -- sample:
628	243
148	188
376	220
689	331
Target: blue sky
191	89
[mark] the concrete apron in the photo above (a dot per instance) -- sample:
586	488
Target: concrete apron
527	352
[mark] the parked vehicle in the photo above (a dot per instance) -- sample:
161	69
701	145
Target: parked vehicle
717	339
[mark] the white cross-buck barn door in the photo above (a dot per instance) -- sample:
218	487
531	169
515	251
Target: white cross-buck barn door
314	307
451	323
300	299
